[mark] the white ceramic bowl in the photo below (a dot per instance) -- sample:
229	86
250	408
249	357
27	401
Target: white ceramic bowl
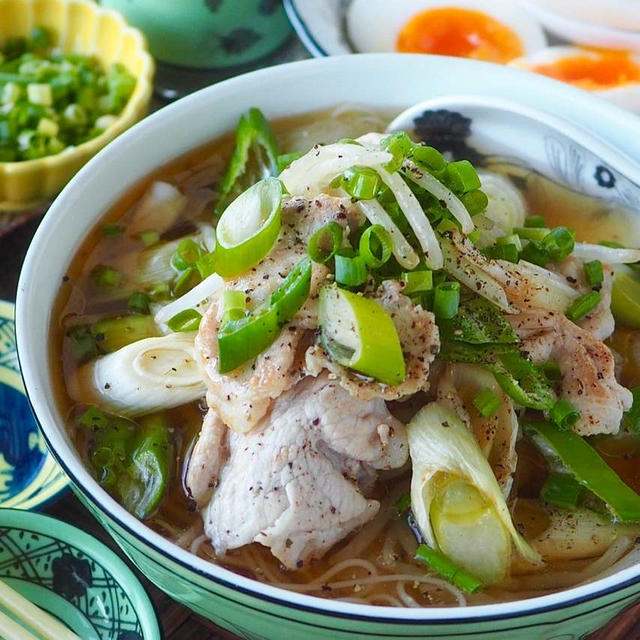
248	608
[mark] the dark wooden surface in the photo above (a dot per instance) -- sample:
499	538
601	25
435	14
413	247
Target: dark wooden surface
178	623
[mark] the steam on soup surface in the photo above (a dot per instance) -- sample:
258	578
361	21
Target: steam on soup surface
360	369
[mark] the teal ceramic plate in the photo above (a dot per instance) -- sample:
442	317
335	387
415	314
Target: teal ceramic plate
74	577
29	476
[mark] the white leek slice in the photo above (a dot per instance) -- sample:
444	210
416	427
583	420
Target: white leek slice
507	208
311	174
158	210
143	377
448	464
415	216
609	255
442	192
248	228
402	250
198	298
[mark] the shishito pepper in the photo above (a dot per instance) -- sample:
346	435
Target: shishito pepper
588	468
242	340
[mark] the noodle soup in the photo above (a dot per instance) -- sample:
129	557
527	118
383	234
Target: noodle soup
173	397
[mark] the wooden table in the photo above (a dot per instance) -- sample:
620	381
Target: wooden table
178	622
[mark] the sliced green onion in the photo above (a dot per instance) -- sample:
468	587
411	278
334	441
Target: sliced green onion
551	370
562	490
559	243
187	254
139	302
564	414
82	343
631	419
105	278
588	468
350	271
511	239
185	320
416	281
508	252
325	242
358	333
533	253
242	340
593	272
160	291
375	246
285	159
444	567
403	503
206	264
535	222
430	158
111	334
361	183
475	201
94	418
149	238
462	176
583	305
486	402
446	300
186	281
447	224
234	305
399	145
248	228
532	233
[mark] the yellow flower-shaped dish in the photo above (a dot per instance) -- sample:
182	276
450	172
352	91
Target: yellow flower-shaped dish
77	26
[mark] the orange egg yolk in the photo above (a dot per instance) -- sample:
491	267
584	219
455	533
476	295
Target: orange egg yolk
598	70
463	33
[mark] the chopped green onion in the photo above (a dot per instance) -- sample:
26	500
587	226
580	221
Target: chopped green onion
185	320
206	264
188	279
558	243
94	418
535	222
375	240
444	567
111	334
105	278
486	402
187	254
139	302
242	340
593	272
551	370
631	418
82	343
447	224
416	281
40	94
350	272
562	490
625	297
160	291
149	238
446	300
234	305
399	145
583	305
403	503
462	176
507	252
588	468
285	159
510	239
533	253
475	201
564	414
430	158
532	233
325	242
361	183
478	321
112	230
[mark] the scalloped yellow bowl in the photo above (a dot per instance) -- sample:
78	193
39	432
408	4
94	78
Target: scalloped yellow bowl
77	26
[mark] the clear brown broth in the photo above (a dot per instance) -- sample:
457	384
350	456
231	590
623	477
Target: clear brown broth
592	219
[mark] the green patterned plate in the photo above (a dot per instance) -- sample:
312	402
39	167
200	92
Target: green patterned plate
29	476
74	577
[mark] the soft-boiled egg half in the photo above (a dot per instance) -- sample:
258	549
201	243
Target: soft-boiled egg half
490	30
613	75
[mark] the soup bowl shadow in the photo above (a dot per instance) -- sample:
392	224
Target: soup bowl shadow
250	609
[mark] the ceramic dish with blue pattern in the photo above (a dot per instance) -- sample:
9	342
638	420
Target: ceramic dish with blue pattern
29	476
75	578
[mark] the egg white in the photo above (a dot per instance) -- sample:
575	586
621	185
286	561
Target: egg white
374	25
625	95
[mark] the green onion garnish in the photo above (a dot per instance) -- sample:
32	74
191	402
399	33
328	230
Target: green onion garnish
325	242
416	281
507	252
186	320
564	414
94	418
403	503
535	221
139	302
462	177
486	402
551	370
533	253
583	305
430	158
532	233
562	490
558	243
361	183
448	569
350	271
234	305
186	255
149	238
188	279
105	278
446	300
375	246
593	272
475	201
